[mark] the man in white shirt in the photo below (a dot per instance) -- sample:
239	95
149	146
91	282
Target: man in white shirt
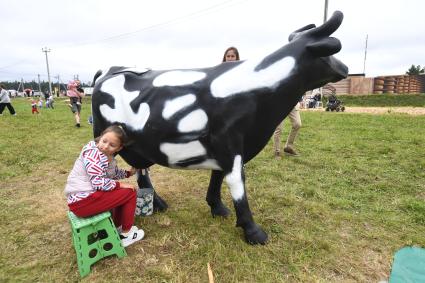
5	101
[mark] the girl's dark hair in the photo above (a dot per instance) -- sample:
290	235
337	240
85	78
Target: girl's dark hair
116	129
234	50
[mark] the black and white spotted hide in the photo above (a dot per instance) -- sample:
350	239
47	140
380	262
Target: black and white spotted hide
216	118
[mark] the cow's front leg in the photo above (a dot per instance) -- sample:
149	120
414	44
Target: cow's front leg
214	195
236	182
144	181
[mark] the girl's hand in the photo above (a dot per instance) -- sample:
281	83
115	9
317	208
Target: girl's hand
132	171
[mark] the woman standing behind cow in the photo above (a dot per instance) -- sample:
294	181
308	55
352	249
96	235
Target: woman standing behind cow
231	54
289	149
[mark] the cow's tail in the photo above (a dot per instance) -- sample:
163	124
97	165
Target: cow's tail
96	76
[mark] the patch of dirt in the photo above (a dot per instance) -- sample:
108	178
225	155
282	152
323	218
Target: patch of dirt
380	110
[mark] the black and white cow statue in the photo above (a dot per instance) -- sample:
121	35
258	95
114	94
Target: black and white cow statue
215	118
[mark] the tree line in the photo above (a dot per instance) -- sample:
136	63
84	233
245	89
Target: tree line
44	86
415	70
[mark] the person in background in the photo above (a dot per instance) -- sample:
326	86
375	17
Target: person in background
50	102
75	98
46	95
40	103
80	90
5	101
34	107
231	54
317	96
92	188
289	149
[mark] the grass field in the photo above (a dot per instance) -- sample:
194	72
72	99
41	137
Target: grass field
337	213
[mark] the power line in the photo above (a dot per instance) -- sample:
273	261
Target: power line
204	11
14	64
20	73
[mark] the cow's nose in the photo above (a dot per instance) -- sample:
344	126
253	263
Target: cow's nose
341	70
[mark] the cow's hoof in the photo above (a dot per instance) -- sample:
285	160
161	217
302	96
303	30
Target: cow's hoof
159	205
255	235
220	210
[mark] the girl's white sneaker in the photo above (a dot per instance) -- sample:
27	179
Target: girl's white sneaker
131	237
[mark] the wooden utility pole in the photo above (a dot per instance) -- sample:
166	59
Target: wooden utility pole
325	15
45	50
365	53
59	85
39	84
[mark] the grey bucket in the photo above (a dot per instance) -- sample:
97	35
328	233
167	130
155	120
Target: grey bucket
144	204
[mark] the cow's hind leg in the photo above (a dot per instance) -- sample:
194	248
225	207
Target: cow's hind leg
236	181
214	195
144	181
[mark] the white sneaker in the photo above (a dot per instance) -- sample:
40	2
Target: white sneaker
133	228
131	237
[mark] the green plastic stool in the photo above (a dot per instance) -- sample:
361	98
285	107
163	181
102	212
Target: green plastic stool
94	238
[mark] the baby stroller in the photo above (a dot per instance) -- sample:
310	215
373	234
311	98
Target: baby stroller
334	104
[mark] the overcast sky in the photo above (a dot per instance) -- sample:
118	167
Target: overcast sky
84	36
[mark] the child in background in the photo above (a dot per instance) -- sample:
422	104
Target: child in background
34	107
91	187
40	103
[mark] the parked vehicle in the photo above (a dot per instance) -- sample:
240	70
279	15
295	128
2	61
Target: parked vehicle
13	93
88	91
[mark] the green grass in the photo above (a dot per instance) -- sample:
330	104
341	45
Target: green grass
337	213
384	100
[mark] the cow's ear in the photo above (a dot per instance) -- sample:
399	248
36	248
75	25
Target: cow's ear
325	47
299	31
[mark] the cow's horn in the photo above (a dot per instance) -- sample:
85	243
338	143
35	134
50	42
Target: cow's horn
331	25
